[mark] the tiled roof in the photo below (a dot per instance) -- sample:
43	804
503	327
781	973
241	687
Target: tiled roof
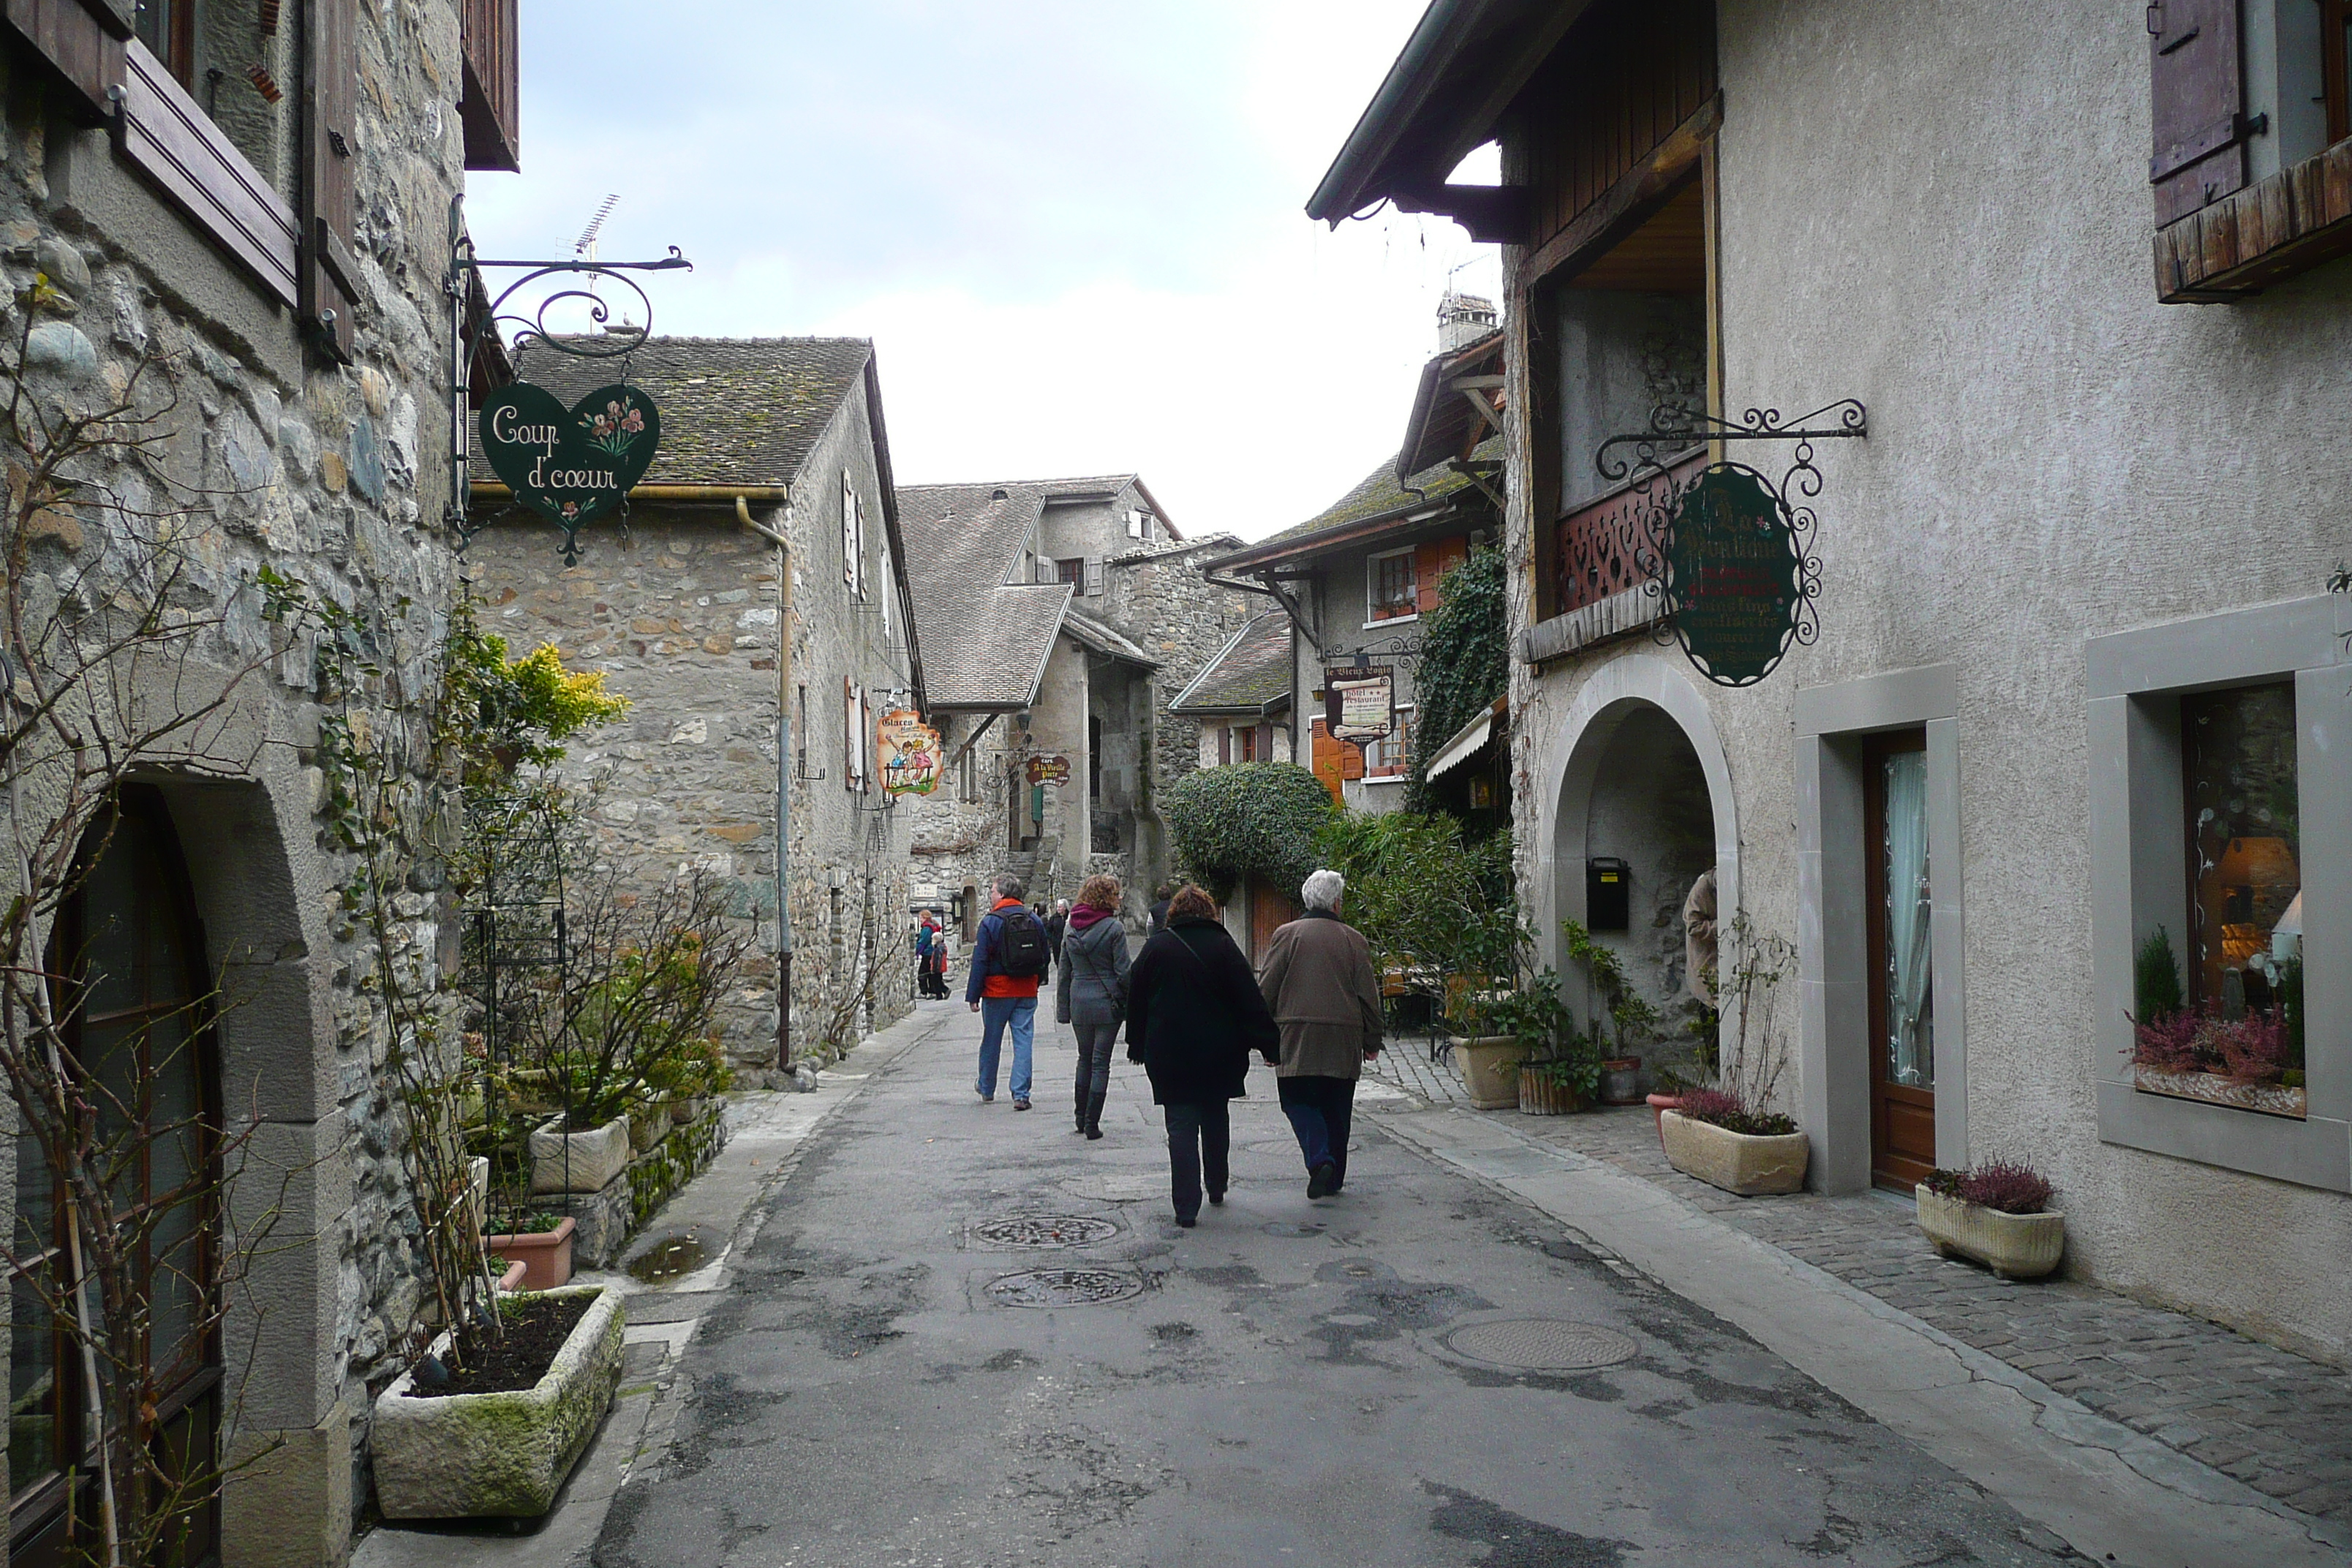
1105	639
734	411
1252	670
984	640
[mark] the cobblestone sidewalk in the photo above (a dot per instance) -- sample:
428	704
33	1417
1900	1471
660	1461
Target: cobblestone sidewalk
2278	1422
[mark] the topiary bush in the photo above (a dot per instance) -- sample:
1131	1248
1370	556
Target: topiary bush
1250	820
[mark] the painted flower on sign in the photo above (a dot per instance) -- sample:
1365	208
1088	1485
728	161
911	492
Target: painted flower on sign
617	428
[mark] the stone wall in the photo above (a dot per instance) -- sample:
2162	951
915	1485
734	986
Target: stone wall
270	455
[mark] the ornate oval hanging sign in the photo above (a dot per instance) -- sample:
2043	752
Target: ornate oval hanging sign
1736	576
570	465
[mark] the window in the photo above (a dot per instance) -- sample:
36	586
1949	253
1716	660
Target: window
967	776
2249	102
1072	572
853	754
1388	757
168	28
2245	915
1138	525
1390	590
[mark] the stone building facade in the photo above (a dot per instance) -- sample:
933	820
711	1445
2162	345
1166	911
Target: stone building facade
765	441
263	283
1058	619
2074	688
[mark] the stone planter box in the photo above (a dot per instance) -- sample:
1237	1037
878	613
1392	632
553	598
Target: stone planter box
564	1162
545	1255
2013	1245
1490	1069
1739	1162
648	1125
471	1456
1539	1095
2212	1088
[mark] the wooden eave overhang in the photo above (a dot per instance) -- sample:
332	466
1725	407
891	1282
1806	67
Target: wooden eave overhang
1444	424
1397	524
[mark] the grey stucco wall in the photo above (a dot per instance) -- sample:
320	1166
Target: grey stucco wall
2053	456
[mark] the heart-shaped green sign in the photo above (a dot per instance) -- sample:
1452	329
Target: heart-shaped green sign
570	465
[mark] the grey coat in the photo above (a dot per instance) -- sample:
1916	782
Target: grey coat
1093	984
1318	981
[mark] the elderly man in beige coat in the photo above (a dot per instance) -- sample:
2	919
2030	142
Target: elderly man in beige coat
1319	984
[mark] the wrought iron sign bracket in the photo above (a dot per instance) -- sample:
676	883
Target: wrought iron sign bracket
1676	553
462	283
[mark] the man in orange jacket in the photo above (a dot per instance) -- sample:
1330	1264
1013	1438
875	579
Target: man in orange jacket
1008	956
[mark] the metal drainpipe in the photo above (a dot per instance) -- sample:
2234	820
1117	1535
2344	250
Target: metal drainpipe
784	781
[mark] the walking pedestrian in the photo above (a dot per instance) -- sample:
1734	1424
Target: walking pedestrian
1160	907
1008	959
1319	984
1194	1014
927	933
1058	923
1092	995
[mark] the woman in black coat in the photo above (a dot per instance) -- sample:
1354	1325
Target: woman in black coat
1194	1014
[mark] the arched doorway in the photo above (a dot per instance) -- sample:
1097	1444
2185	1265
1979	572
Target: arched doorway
1641	806
136	1022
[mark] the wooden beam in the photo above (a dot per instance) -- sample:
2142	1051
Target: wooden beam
1494	215
1623	207
1486	411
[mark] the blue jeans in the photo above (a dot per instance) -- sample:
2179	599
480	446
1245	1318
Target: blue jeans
995	1012
1320	1111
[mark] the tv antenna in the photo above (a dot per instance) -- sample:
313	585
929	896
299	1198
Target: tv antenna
586	244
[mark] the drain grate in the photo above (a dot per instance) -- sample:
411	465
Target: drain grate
1065	1288
1543	1344
1020	1231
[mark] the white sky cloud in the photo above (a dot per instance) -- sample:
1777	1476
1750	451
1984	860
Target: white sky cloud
1075	231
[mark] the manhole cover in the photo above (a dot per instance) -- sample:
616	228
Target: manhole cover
1042	1230
1543	1344
1065	1288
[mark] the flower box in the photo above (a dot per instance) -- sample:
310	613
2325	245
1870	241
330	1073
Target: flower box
648	1125
2013	1245
512	1280
1739	1162
564	1162
471	1456
2214	1088
1621	1081
1490	1069
1541	1095
545	1255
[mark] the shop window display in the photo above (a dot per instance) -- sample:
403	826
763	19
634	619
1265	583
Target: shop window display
2226	1024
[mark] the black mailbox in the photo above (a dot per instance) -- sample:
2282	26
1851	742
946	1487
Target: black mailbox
1608	881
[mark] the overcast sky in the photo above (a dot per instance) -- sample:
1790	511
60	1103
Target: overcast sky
1076	232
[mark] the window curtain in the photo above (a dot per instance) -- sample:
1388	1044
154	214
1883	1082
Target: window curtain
1911	1025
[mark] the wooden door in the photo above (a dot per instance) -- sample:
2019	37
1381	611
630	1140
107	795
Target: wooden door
1269	912
1901	970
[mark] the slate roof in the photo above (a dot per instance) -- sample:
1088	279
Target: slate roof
1376	496
1248	675
984	640
1105	639
734	411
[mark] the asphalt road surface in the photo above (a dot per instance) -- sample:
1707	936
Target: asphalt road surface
1419	1370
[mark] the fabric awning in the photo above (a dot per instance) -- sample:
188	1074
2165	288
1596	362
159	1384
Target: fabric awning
1468	739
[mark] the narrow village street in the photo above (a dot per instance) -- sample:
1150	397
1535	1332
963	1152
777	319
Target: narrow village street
902	1365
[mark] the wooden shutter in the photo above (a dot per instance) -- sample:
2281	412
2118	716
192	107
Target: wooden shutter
1431	562
83	38
174	144
848	733
2197	103
331	271
1323	754
1094	575
1224	744
493	89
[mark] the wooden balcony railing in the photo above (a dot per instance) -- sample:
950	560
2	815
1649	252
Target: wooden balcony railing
1599	546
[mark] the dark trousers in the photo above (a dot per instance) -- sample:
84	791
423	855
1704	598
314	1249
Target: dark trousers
1200	1135
1098	1035
1321	1109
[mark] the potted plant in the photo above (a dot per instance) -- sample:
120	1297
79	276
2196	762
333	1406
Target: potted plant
1556	1065
1997	1214
542	1244
494	1431
583	1160
1485	1007
1714	1136
1621	1081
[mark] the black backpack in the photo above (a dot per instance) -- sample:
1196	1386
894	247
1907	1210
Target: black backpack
1021	946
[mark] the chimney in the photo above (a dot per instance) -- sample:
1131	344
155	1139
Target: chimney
1464	319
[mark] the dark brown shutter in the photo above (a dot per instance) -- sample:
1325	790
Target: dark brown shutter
490	109
83	38
2198	105
331	273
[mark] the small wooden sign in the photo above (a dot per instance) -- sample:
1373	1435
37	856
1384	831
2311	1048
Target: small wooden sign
570	465
1049	770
